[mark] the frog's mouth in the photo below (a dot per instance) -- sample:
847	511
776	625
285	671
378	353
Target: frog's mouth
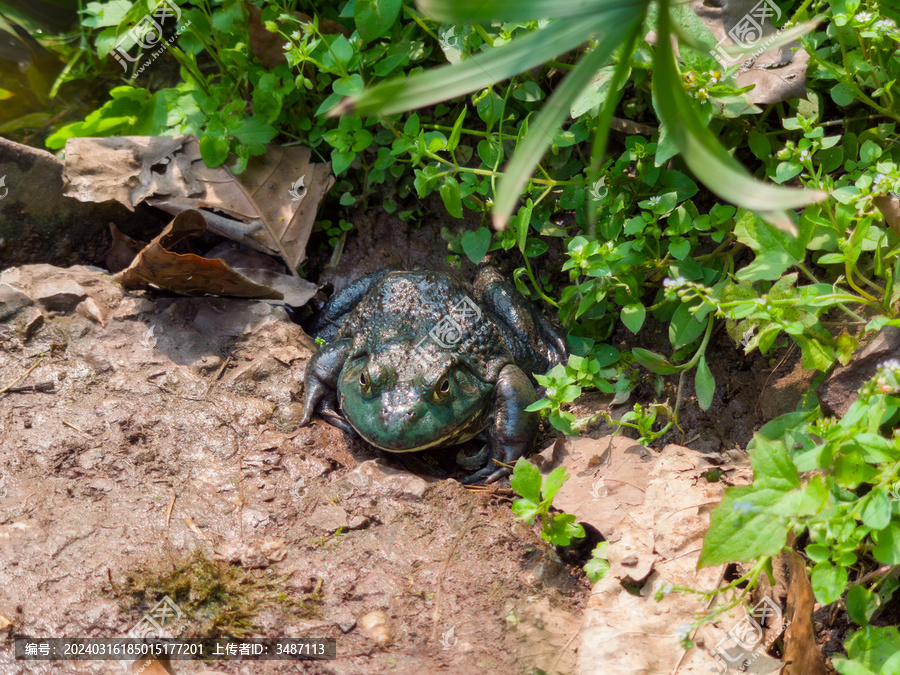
403	422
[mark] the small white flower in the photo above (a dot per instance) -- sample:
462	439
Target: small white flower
295	35
683	632
677	282
863	17
654	201
891	365
884	26
287	46
715	77
804	155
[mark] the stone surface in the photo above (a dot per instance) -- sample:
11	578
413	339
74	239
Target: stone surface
37	223
838	392
59	295
11	301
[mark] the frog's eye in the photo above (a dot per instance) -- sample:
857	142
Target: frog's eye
442	388
364	381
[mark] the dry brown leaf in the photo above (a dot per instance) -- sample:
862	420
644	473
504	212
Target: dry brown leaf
890	208
653	508
191	274
270	179
257	209
122	251
801	653
778	74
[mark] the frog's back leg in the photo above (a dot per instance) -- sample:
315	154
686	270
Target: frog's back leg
536	344
326	323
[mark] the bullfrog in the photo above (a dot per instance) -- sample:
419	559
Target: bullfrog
421	359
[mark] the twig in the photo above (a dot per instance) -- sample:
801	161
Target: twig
169	513
40	386
19	378
79	430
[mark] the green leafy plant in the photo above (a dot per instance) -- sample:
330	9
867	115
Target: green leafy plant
597	567
537	497
618	27
835	484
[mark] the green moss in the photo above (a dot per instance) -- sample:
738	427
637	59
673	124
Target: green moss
218	599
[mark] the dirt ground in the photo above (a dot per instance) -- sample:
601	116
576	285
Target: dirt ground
156	455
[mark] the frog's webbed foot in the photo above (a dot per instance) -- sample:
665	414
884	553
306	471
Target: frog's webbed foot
512	432
475	461
320	384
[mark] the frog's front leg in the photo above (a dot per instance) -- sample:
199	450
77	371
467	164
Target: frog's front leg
512	432
320	385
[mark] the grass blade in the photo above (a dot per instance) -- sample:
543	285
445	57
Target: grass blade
470	11
479	71
541	131
703	153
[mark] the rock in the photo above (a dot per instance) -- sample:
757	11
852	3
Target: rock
328	517
38	223
89	309
374	477
838	392
11	301
358	523
132	307
59	295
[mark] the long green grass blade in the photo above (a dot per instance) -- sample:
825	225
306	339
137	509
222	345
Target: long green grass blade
544	127
470	11
703	153
479	71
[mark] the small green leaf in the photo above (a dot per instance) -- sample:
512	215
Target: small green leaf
455	134
452	199
684	327
842	94
759	145
828	582
214	150
887	545
526	480
633	316
552	483
861	604
562	530
876	510
475	244
705	384
374	18
655	363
